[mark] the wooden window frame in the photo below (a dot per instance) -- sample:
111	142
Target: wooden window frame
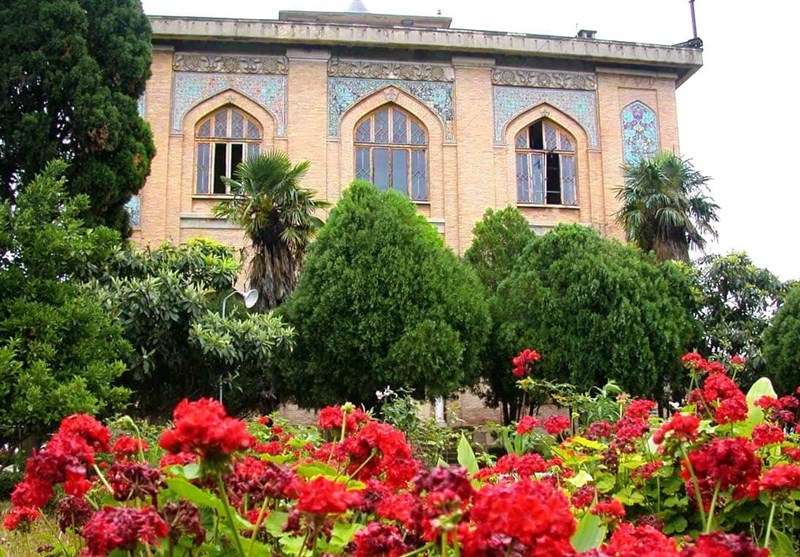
212	140
530	155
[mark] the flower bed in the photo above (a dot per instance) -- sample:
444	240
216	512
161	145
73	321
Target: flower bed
719	478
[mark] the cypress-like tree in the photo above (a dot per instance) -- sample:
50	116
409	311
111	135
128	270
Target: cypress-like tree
381	302
71	72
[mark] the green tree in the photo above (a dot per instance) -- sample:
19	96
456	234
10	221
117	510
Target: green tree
381	302
664	207
168	302
596	310
738	301
278	217
60	352
499	240
71	72
782	344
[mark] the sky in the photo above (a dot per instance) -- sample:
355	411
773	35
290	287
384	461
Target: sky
738	116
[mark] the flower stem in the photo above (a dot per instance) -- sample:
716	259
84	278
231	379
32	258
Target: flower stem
711	512
226	505
695	484
418	550
769	525
103	479
259	520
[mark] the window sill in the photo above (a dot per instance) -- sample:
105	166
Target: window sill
538	206
212	196
415	202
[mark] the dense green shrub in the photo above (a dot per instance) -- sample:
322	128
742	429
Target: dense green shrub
60	351
168	301
380	302
597	311
782	343
499	240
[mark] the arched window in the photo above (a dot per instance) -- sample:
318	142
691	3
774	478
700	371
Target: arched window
392	152
224	139
545	165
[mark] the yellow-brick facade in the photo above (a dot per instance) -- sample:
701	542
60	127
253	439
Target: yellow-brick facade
470	152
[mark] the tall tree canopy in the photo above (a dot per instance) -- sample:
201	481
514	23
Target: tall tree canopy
60	351
782	344
665	208
71	72
739	300
278	217
596	310
381	301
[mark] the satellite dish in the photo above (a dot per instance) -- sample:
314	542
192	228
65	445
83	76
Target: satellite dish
250	298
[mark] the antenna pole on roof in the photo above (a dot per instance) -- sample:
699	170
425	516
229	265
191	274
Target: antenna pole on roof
694	21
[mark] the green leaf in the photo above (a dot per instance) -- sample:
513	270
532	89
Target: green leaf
184	489
466	456
441	463
580	479
588	443
605	483
762	387
275	522
341	535
291	545
676	525
783	546
316	469
590	533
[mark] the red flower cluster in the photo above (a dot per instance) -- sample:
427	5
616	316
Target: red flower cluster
66	459
719	544
610	510
544	528
696	363
781	479
324	496
766	434
20	518
526	424
379	540
122	528
330	418
204	428
723	396
683	427
637	541
556	424
729	462
523	362
127	448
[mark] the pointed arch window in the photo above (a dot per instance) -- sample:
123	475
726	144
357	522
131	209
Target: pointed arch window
223	140
545	161
391	151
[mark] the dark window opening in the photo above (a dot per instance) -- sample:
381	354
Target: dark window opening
537	137
220	166
237	155
553	179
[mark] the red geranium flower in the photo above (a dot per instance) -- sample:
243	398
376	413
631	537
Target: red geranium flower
122	528
324	496
766	434
127	447
526	424
93	432
683	427
204	428
781	478
731	463
556	424
610	510
21	518
379	540
524	362
724	545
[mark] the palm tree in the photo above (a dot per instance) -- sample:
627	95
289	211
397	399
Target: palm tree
664	207
278	217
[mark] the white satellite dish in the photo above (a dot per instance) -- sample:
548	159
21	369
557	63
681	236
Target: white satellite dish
250	298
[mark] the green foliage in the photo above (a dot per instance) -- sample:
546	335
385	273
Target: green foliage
428	439
498	242
382	302
167	300
597	311
71	72
782	343
664	207
60	352
278	217
499	239
739	299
